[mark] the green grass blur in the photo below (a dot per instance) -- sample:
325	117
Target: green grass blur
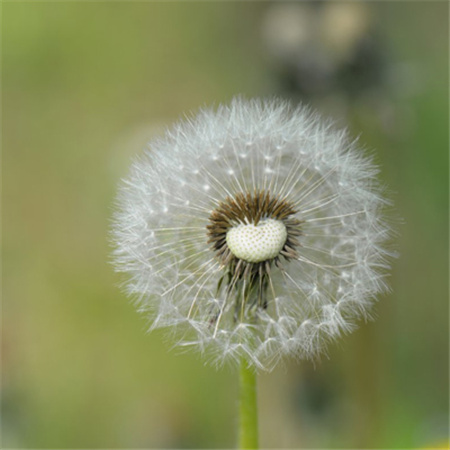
85	86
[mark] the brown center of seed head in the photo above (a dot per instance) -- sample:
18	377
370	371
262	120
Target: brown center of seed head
244	209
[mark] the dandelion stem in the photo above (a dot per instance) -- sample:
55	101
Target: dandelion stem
248	414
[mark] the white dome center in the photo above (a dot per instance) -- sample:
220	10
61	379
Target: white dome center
257	243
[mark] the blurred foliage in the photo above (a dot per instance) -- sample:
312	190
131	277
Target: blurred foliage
85	86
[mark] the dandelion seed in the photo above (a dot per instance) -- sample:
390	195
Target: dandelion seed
253	230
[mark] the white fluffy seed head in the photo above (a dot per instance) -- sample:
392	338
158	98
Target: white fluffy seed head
331	268
257	243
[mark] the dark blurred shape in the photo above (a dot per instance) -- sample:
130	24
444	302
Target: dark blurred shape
318	48
314	394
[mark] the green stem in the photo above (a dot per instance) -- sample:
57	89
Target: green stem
248	414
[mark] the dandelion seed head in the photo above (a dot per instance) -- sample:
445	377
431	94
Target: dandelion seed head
253	230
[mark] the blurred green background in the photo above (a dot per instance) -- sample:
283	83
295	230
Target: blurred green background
85	86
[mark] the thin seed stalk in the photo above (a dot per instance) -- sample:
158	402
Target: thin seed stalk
248	414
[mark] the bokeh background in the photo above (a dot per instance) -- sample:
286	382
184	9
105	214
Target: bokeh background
85	86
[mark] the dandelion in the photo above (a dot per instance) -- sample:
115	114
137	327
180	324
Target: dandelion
254	230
